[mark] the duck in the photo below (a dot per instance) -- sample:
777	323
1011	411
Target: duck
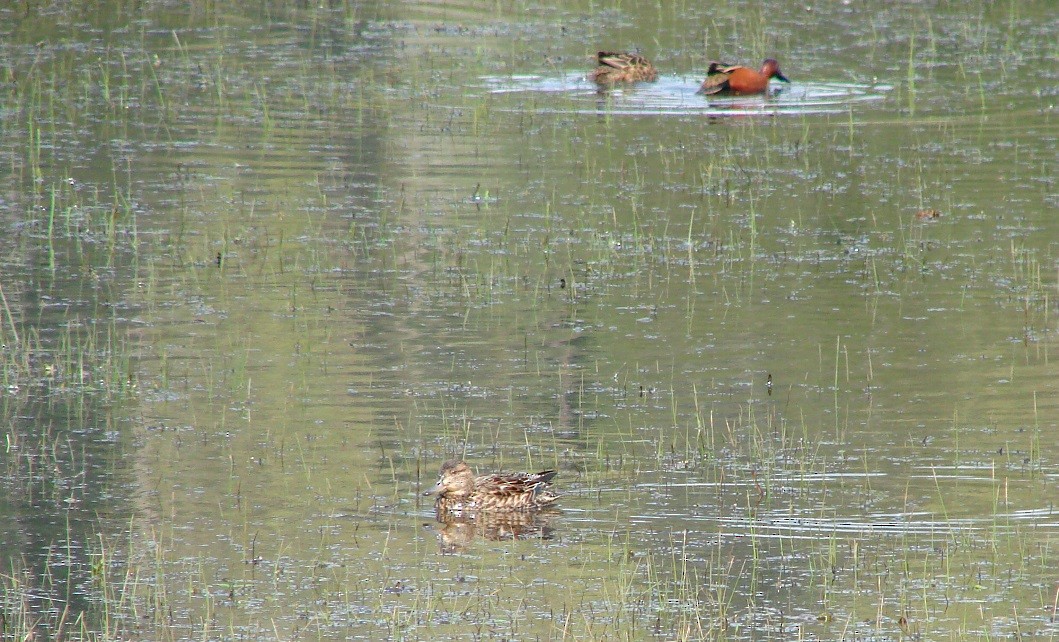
617	67
722	78
458	489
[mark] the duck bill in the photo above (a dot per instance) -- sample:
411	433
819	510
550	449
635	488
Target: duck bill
779	76
435	490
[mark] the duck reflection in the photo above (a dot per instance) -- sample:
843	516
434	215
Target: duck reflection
456	530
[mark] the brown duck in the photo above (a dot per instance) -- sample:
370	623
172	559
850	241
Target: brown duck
617	67
458	489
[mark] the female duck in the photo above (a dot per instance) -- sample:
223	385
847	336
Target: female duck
622	67
459	490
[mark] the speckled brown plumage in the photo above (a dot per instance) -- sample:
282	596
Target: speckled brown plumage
622	67
459	490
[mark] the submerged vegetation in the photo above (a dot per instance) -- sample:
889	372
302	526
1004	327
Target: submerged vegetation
263	273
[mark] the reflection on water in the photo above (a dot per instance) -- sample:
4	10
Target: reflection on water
672	95
353	238
457	531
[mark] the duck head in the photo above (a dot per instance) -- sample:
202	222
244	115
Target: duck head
456	480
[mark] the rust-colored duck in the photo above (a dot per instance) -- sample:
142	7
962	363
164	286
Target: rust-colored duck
458	489
722	78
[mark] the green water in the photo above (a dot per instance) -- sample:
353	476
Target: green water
263	271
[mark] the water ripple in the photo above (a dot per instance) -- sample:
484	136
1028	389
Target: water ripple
675	95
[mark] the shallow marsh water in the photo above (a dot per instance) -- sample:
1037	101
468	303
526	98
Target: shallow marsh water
264	271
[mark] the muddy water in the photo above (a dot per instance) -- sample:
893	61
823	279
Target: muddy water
336	247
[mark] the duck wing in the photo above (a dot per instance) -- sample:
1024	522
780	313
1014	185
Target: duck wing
514	483
514	491
717	78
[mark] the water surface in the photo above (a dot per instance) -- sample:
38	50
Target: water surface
265	270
